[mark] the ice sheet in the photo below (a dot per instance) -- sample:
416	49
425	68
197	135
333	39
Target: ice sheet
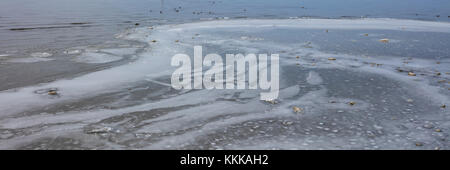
360	100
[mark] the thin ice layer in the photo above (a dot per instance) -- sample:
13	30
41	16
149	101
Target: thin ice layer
381	115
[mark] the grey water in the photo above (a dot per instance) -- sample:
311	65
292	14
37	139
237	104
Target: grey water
27	25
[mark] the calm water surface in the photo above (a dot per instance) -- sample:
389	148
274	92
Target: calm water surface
30	25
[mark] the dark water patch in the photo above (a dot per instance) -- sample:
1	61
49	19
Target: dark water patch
50	27
352	17
79	23
240	17
270	16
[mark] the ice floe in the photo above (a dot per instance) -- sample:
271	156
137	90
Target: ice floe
34	57
41	54
96	58
72	52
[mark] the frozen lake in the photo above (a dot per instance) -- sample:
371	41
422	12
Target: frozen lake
353	75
